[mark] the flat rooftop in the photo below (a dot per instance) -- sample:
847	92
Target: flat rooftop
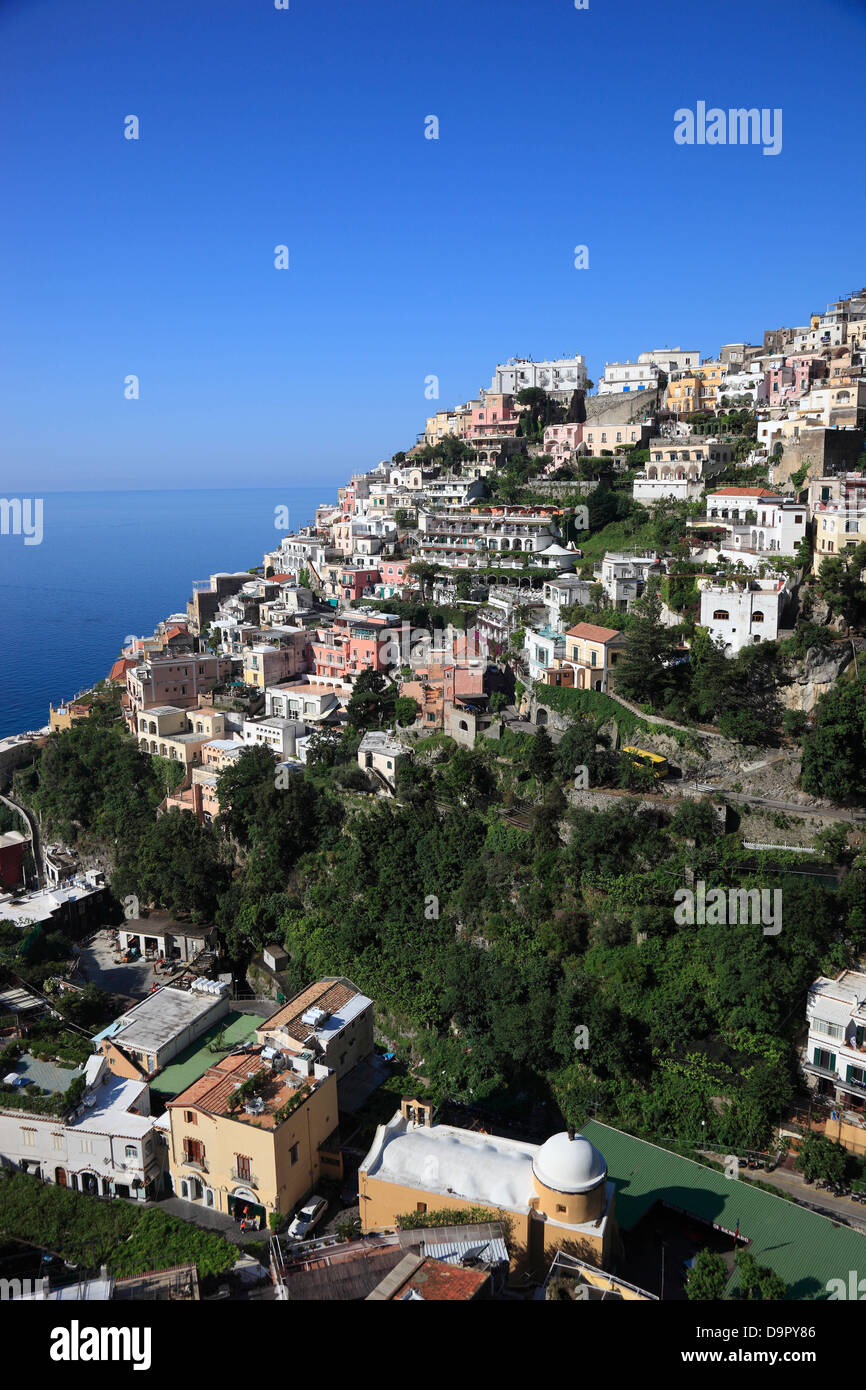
194	1061
804	1248
153	1023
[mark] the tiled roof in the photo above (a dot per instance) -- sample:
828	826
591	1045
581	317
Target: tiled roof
743	492
592	632
212	1091
324	994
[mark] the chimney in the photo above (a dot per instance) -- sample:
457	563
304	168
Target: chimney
570	1134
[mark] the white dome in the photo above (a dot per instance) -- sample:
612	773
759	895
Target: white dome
569	1165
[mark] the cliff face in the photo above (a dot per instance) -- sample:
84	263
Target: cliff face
815	675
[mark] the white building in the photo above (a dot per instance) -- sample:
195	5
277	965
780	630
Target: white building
671	359
542	646
742	612
563	592
757	520
628	376
650	490
561	376
381	753
624	577
106	1147
835	1056
274	732
309	703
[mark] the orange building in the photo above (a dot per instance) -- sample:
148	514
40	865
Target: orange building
556	1195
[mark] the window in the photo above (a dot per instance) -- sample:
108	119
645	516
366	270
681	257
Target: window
293	1153
421	1206
87	1146
757	617
28	1138
189	1117
58	1140
242	1166
560	1207
721	615
830	1030
131	1151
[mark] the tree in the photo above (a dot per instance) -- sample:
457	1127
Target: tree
840	585
821	1158
405	710
834	749
498	702
372	702
542	756
642	673
758	1281
708	1277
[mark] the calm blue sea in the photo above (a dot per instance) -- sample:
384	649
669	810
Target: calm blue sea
113	563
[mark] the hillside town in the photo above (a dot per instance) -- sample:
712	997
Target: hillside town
337	923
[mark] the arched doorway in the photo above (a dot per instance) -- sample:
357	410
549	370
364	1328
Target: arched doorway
541	716
60	1177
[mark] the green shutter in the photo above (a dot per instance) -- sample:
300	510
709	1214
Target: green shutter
849	1070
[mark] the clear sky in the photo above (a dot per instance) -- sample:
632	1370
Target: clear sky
408	256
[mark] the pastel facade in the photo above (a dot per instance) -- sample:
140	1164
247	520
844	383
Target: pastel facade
593	651
613	436
556	1194
259	1157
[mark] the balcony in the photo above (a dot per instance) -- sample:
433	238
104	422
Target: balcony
249	1179
195	1165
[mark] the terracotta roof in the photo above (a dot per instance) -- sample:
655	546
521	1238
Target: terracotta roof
592	632
744	492
120	667
212	1091
324	994
437	1280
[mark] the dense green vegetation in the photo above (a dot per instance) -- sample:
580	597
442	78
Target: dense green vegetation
90	1233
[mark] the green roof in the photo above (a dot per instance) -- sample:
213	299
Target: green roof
194	1061
804	1248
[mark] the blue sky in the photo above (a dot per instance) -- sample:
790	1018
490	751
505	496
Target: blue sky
408	257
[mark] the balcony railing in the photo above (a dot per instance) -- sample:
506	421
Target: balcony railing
197	1165
238	1175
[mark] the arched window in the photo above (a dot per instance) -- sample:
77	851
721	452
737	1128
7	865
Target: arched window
721	615
757	617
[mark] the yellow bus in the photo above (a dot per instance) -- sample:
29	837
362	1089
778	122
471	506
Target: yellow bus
654	761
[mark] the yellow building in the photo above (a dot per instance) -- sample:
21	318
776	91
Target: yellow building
838	527
258	1151
698	390
593	652
556	1194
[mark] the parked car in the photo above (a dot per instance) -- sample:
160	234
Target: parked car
308	1218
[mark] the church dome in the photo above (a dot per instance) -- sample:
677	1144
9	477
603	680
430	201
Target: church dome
568	1164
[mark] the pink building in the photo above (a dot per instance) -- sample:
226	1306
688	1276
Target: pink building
175	680
561	440
493	414
791	379
355	581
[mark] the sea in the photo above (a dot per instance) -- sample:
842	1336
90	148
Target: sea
114	563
